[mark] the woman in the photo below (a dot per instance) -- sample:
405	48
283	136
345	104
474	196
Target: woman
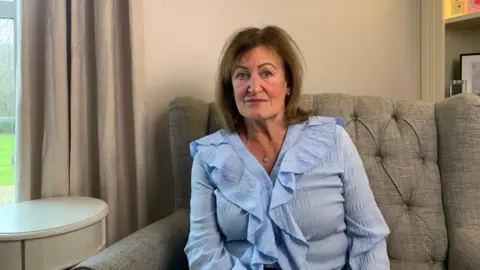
278	188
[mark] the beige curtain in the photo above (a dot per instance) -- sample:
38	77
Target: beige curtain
81	108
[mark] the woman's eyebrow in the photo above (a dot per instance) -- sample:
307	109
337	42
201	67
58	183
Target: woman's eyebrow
261	65
239	66
267	64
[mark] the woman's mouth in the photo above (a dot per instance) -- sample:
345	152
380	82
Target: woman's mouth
255	100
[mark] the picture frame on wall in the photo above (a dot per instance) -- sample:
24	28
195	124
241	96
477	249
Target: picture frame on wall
470	71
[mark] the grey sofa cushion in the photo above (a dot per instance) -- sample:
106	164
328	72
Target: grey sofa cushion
187	121
458	120
397	141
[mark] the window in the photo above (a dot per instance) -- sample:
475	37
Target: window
8	77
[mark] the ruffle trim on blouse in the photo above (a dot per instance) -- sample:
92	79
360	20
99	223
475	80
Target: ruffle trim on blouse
314	142
240	187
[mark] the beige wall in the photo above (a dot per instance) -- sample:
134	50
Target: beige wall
368	47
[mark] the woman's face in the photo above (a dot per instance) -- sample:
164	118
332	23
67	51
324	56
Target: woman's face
259	85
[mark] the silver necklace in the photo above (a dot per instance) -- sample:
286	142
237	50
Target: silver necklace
265	158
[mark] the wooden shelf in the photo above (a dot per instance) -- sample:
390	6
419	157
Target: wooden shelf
469	21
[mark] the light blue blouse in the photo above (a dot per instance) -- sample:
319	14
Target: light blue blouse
314	211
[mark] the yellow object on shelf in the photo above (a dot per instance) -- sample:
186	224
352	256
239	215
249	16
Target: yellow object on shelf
454	8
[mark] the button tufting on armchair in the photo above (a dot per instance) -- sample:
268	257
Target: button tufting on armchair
423	163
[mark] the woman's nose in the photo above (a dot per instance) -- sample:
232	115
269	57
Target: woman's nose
255	84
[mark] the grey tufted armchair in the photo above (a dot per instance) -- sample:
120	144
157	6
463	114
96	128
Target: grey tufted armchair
423	163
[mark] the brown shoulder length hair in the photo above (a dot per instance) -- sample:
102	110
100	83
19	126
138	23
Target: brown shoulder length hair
236	46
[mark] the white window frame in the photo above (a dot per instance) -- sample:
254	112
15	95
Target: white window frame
11	10
8	10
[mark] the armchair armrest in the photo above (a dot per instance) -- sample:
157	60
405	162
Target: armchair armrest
157	246
465	251
458	123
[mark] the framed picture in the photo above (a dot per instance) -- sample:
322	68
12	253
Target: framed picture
470	71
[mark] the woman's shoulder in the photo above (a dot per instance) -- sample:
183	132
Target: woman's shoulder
325	121
328	132
322	132
317	139
209	141
324	126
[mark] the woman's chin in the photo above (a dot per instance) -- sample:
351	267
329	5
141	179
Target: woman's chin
258	116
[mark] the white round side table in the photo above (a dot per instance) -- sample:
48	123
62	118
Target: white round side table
51	233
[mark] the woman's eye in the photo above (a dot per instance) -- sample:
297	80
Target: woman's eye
242	76
266	73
